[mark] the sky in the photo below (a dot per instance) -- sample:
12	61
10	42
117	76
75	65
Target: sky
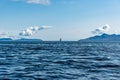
69	19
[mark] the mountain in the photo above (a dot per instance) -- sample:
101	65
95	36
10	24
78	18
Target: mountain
103	38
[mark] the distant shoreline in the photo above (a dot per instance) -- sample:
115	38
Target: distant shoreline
52	42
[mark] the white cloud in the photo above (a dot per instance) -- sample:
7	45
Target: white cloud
102	30
32	30
44	2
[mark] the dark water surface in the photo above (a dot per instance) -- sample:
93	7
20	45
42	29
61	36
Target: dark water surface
60	61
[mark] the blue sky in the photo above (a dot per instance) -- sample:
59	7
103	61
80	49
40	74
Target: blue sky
71	19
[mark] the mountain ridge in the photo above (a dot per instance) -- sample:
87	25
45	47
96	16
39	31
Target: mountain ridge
103	38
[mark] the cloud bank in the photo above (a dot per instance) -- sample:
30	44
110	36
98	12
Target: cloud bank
101	30
4	34
44	2
32	30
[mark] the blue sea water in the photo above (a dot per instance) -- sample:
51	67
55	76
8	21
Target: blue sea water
60	61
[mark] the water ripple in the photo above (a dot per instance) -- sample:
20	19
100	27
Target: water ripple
60	61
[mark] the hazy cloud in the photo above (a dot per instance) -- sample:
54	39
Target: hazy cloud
44	2
3	34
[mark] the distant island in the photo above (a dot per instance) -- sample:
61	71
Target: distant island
103	38
19	40
25	39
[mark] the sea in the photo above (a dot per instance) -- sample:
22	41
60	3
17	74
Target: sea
67	60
